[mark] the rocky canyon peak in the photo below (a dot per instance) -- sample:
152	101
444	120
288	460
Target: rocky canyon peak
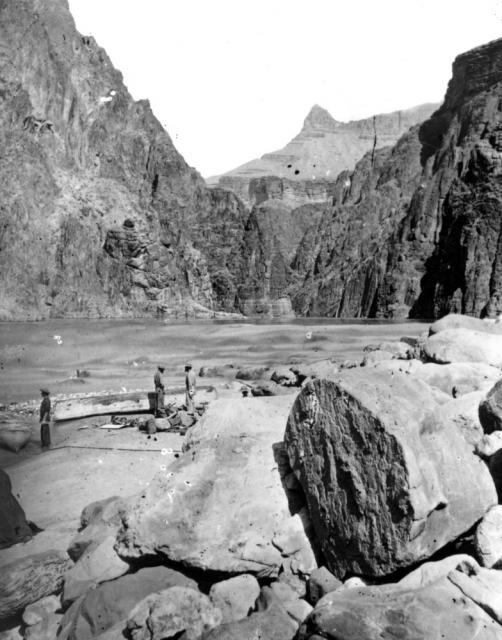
323	148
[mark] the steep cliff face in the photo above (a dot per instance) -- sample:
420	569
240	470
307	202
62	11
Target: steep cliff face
423	235
340	264
453	231
97	207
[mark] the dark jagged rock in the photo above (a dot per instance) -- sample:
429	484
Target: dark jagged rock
93	190
14	527
423	234
386	478
343	261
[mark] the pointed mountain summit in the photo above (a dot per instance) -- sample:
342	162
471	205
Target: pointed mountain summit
319	119
324	147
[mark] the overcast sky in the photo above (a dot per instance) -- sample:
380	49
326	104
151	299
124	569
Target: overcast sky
233	79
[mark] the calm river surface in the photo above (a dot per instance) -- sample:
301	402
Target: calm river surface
124	353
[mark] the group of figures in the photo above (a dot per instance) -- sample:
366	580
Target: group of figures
159	409
190	386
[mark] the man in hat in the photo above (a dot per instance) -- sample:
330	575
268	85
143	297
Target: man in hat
160	412
190	381
45	418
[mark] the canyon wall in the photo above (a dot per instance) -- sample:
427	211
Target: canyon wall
417	228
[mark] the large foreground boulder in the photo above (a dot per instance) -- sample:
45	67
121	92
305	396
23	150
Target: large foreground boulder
460	606
464	345
13	524
222	506
386	481
110	604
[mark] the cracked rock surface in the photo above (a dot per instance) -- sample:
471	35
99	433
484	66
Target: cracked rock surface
387	481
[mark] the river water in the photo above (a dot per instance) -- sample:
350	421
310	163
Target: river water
124	353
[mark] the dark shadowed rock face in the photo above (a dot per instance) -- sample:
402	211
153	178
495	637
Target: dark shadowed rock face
423	235
343	259
14	527
99	213
387	482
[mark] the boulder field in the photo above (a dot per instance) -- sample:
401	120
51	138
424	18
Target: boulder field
362	504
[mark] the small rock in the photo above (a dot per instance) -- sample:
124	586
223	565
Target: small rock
270	622
251	373
46	629
489	445
321	582
490	410
235	597
488	539
42	609
97	565
298	609
11	634
171	612
353	583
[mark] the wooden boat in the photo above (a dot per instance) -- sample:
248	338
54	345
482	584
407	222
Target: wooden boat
100	404
14	435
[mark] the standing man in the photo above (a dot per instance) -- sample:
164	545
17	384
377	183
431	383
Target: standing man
190	382
160	412
45	418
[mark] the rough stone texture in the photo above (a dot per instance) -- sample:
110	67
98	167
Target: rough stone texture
321	582
423	235
14	527
98	520
97	565
459	321
100	214
464	377
464	345
298	609
236	597
323	148
11	634
453	607
340	264
172	612
463	413
386	481
110	604
37	611
270	622
488	539
46	629
222	505
490	410
32	570
430	572
489	445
